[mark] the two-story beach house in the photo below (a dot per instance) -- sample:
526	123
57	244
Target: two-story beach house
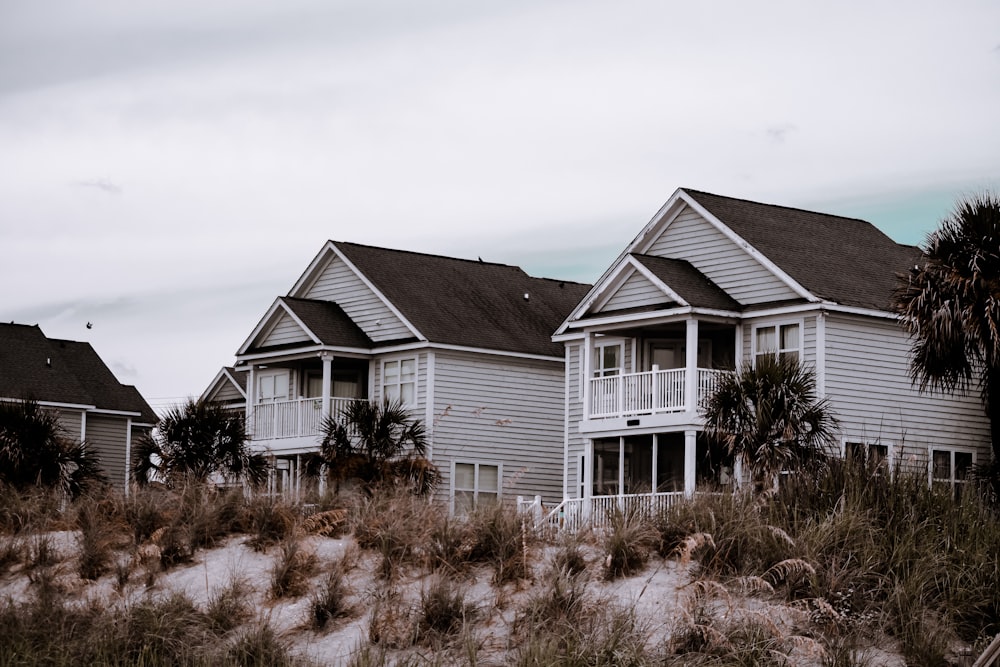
713	282
466	345
69	379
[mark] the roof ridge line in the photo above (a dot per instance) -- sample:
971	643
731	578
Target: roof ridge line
781	206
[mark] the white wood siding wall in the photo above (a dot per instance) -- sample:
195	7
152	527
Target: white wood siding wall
106	436
285	330
339	283
227	393
869	388
635	291
70	421
576	445
691	237
494	409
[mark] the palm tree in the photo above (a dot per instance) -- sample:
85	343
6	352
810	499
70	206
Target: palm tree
768	415
195	440
951	306
375	443
35	451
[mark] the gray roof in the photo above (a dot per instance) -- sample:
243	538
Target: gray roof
470	303
61	371
688	282
329	322
845	260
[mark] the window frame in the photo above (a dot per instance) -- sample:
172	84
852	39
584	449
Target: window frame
867	443
952	481
778	351
271	374
597	369
399	381
476	490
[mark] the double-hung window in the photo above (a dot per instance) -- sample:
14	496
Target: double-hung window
950	468
272	386
783	340
608	359
399	381
474	485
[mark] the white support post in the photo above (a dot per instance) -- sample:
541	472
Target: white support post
298	478
588	479
588	345
251	399
738	351
654	402
128	455
327	360
691	367
656	462
621	466
690	462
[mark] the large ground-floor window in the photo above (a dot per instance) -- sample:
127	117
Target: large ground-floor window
950	468
473	485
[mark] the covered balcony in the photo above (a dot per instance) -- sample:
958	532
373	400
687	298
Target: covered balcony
658	373
301	417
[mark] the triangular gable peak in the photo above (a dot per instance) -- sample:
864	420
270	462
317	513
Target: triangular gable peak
633	285
279	326
226	388
683	229
331	276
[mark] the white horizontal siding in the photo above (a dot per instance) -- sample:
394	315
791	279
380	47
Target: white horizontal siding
285	330
339	283
491	409
577	444
70	422
869	387
107	436
691	237
636	291
227	393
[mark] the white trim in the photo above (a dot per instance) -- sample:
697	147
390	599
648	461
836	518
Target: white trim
83	426
623	273
566	400
653	317
359	353
267	324
294	354
118	413
128	455
868	442
821	354
223	373
51	404
476	463
429	401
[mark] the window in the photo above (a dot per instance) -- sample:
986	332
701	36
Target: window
399	381
473	485
874	455
950	468
781	340
608	359
272	386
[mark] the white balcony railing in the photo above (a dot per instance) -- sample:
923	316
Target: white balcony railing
649	392
596	512
292	419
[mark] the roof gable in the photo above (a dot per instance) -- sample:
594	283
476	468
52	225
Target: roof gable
290	322
228	386
690	284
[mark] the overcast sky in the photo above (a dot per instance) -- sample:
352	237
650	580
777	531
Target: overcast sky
169	168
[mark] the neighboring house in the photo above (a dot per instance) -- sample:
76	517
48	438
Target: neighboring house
465	345
713	282
68	378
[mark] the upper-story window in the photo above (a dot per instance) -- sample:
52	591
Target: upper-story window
781	340
272	386
399	381
608	359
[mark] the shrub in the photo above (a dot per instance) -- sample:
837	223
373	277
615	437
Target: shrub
330	601
270	521
443	611
502	540
291	570
627	545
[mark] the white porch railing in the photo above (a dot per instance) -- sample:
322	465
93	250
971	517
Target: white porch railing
292	419
574	514
648	392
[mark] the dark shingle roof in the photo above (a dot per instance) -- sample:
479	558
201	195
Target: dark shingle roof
329	322
845	260
470	303
61	371
688	282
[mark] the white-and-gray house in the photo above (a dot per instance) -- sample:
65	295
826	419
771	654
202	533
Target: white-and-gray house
712	282
466	345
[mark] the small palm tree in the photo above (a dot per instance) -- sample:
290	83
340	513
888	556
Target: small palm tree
375	443
951	306
768	415
194	441
35	451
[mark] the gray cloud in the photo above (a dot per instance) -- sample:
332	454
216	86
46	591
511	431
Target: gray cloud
102	184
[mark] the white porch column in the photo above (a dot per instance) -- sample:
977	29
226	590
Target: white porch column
588	346
690	462
251	399
691	366
588	478
656	462
327	360
738	351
